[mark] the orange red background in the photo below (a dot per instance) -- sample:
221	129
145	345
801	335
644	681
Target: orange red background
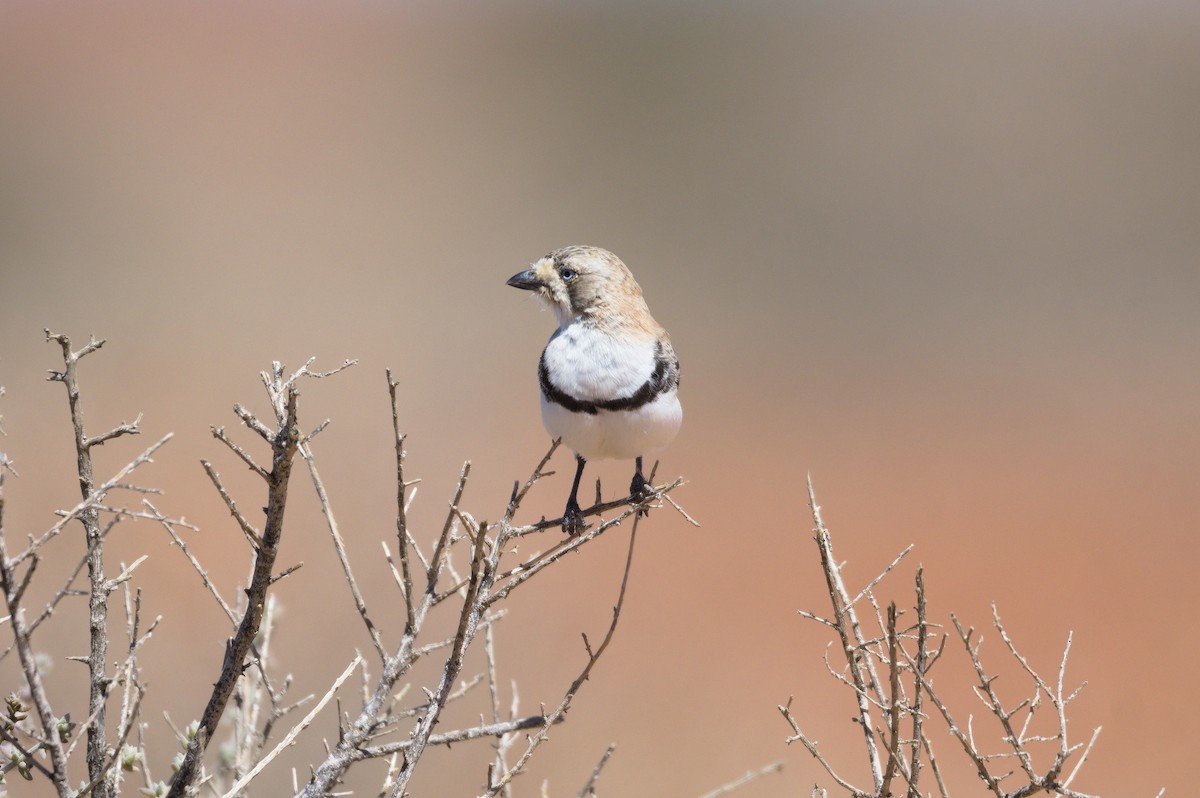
942	257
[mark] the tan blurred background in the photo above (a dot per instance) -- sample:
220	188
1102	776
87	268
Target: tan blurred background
941	256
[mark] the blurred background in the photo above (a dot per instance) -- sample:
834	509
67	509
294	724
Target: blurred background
940	256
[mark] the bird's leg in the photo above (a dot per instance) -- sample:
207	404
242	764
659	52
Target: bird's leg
639	489
573	522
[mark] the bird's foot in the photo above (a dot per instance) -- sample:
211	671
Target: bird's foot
572	520
641	491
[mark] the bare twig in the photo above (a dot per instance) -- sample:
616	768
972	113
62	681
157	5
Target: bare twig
522	573
593	657
908	673
124	428
745	779
219	434
461	735
33	677
920	667
599	508
92	501
439	549
401	510
500	764
98	679
294	732
360	730
811	746
1083	758
893	708
481	579
519	494
867	590
284	443
589	787
846	623
253	536
208	584
340	547
53	602
101	780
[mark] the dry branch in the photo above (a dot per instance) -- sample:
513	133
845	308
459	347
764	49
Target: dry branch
29	666
888	673
294	732
284	441
98	679
593	657
589	786
472	567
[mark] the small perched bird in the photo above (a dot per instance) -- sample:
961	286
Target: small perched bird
609	376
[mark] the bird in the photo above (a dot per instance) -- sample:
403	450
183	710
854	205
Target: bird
609	377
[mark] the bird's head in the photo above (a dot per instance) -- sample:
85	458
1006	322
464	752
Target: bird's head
585	283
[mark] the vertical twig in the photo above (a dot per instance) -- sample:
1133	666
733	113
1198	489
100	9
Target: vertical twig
845	619
439	549
290	737
340	547
401	508
477	593
98	680
593	657
330	771
284	443
33	677
893	706
481	578
500	763
919	667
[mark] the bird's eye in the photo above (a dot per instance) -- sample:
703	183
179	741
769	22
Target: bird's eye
567	275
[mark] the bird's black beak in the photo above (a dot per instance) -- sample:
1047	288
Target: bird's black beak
527	280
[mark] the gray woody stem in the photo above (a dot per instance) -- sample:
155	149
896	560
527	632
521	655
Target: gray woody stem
32	675
364	726
284	442
851	638
98	681
482	574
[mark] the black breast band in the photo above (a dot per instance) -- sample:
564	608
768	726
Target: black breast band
664	378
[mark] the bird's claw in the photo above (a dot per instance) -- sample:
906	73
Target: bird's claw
572	520
641	491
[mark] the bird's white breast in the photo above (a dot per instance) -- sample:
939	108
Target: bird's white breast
591	365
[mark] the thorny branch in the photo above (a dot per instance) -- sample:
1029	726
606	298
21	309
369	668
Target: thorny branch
593	657
57	731
29	666
428	576
284	440
486	584
589	787
904	655
745	779
98	679
401	509
888	670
